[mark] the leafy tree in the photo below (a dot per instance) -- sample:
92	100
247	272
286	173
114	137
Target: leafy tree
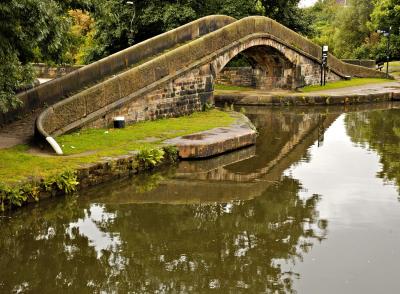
324	14
288	13
379	131
352	23
119	24
29	30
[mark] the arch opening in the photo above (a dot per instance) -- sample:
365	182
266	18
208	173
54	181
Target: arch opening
259	67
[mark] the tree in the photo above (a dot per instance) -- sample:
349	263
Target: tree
386	14
353	30
30	30
119	24
288	13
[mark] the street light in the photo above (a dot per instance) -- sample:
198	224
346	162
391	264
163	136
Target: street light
387	34
324	63
130	37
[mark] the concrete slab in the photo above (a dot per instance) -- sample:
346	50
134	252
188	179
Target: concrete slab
213	142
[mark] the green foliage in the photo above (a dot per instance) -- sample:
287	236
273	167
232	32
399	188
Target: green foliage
149	158
232	88
208	106
30	30
343	84
66	182
288	13
171	153
17	195
350	31
147	182
10	196
119	25
378	131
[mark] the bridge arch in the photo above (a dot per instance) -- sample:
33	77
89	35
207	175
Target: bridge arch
275	64
268	69
180	80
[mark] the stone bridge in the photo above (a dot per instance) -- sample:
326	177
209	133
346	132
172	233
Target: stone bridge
173	74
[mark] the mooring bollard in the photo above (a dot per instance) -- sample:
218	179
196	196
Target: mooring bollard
119	122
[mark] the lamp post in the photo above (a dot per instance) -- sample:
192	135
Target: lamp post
324	63
130	37
387	34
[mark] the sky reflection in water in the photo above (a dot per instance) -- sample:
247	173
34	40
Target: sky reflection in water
313	208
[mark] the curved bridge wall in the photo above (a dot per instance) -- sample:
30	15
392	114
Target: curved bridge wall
60	88
179	81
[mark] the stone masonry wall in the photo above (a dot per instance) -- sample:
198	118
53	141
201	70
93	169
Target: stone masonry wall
181	96
158	81
236	76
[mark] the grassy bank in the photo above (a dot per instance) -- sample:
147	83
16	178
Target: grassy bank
344	84
18	164
232	88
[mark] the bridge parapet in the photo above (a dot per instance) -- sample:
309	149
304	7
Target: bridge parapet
60	88
179	81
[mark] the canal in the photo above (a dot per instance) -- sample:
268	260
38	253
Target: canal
313	208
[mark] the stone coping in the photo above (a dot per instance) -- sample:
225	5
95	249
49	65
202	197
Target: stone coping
309	99
213	142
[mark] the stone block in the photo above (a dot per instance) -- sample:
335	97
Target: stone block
229	34
50	92
112	90
178	58
129	81
214	142
246	27
198	49
70	83
89	74
94	98
160	66
69	110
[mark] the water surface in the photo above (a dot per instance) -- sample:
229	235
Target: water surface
313	208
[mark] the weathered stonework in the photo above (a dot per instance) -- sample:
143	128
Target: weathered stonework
305	100
181	96
236	76
179	81
213	142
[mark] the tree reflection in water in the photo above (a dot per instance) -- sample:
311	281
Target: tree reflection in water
379	130
226	228
161	247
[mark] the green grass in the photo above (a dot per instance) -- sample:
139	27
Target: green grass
344	84
394	63
232	88
16	164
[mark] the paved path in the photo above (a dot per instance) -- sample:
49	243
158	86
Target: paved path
18	132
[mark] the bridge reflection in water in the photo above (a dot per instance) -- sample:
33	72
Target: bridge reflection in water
227	223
